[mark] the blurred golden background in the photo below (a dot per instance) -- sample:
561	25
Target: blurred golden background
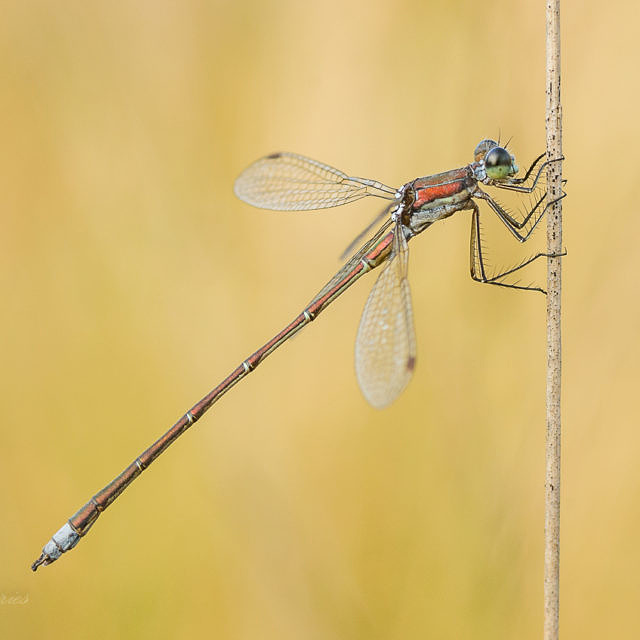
133	281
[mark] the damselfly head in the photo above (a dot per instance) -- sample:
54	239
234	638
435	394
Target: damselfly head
498	163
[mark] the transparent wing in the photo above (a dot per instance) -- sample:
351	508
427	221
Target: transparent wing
354	259
290	182
386	343
365	232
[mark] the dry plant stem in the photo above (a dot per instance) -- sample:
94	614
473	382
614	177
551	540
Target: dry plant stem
554	353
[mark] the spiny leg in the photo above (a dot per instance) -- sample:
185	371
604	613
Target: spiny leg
536	212
538	203
516	184
477	266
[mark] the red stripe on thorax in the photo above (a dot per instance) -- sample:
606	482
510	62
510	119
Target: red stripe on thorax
443	185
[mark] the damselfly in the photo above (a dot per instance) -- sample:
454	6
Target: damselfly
385	345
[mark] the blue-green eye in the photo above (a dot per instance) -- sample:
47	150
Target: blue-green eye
499	164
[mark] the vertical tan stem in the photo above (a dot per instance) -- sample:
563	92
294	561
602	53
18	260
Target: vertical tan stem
554	347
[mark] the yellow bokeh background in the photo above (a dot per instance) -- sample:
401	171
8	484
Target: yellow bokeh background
133	281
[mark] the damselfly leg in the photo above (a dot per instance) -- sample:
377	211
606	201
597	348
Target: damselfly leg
477	262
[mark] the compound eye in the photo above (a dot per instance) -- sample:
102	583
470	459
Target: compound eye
482	148
498	164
